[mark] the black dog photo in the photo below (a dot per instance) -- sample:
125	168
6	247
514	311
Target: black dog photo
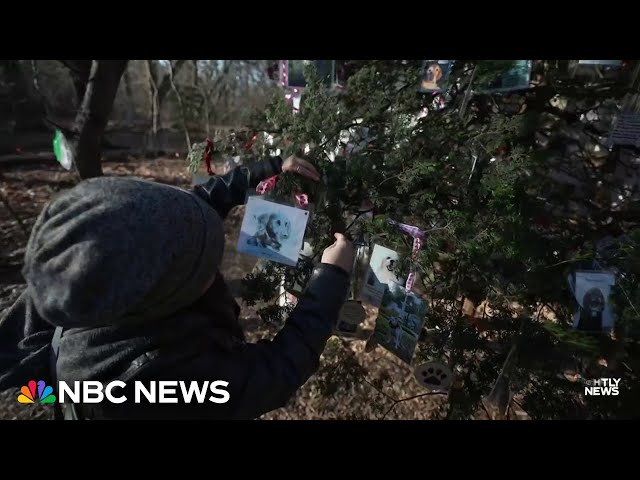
592	290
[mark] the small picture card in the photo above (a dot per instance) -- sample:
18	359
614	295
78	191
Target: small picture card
232	162
516	78
625	130
607	63
199	179
435	76
592	290
351	315
401	318
292	72
380	273
272	231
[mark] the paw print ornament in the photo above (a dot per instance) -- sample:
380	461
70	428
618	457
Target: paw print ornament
434	376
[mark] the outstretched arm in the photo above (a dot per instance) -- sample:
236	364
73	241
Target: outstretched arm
223	192
263	376
226	191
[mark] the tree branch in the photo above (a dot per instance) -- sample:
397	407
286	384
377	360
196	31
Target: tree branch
410	398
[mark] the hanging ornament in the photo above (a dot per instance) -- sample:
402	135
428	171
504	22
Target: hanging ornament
500	396
351	316
606	63
438	103
434	376
625	130
591	289
381	272
518	77
418	238
62	150
272	231
401	318
231	163
371	344
435	75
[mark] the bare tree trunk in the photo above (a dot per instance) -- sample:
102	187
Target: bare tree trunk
93	115
164	84
155	108
181	105
206	111
80	70
36	86
195	72
130	109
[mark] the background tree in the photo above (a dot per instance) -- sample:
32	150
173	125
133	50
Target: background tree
515	190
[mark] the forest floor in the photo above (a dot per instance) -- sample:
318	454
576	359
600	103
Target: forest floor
351	394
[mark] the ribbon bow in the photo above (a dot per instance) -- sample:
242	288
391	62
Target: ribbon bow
302	200
418	238
208	151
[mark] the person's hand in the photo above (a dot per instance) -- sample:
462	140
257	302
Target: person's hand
301	167
340	254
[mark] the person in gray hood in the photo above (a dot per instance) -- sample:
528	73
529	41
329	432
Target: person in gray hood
123	283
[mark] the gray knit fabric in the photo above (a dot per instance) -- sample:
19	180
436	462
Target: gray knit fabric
121	250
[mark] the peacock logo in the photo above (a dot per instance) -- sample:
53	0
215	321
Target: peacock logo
28	393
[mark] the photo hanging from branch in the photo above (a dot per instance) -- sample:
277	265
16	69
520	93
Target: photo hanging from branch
272	231
435	76
401	317
380	274
595	71
608	63
292	72
592	290
518	77
625	130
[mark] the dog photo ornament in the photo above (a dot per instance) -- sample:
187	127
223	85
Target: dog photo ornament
380	274
272	231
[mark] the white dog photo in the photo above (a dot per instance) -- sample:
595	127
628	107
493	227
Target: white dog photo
380	274
272	231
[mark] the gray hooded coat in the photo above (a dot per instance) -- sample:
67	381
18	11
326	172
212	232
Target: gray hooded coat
122	265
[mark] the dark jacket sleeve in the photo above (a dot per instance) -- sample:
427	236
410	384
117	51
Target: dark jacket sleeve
263	376
223	192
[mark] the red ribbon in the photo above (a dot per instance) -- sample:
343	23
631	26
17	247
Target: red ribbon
249	144
302	199
208	151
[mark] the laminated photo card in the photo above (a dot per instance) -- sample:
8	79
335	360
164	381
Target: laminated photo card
292	72
379	274
272	231
435	76
516	78
592	290
606	63
401	317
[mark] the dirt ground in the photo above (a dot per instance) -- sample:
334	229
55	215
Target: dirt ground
352	396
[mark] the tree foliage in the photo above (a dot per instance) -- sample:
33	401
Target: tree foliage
515	191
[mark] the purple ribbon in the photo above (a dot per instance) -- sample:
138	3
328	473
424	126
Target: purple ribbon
418	239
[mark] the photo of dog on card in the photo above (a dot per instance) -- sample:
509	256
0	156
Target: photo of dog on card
592	291
401	318
435	76
380	274
272	231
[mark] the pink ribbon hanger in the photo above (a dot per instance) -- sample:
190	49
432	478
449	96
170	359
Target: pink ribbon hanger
302	199
418	239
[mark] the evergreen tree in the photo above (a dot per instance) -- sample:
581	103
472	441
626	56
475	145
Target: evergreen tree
515	192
